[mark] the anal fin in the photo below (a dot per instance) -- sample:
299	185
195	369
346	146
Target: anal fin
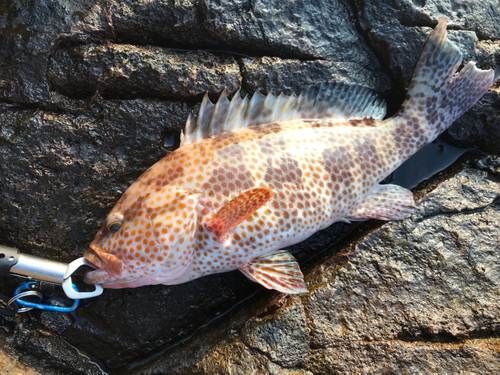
387	202
278	270
237	210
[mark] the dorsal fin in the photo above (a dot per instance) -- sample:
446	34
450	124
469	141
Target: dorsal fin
336	100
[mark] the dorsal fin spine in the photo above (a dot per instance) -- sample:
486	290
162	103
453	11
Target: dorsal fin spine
331	101
220	111
232	108
281	109
254	107
244	105
269	106
241	106
204	116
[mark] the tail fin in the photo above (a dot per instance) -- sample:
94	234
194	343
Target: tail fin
436	94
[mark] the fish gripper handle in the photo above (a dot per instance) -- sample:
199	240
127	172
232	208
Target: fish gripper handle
9	257
14	263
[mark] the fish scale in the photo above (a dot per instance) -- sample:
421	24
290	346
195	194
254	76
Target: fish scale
254	176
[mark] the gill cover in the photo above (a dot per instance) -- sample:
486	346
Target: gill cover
173	214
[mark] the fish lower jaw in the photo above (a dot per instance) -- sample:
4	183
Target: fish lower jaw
95	277
125	284
102	277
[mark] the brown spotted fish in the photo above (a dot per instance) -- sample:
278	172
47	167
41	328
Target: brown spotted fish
252	177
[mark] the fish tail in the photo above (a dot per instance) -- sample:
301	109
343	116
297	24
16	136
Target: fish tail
438	95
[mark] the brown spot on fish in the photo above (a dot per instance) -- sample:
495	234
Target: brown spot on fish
368	159
285	170
339	164
232	175
261	131
362	122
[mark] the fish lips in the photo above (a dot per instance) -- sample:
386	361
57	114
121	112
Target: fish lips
102	277
105	263
96	277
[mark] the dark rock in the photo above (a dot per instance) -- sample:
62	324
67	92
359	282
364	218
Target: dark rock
29	31
479	128
280	28
55	321
164	23
128	72
289	29
48	352
124	326
292	76
91	93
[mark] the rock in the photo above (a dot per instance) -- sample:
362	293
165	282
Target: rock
397	356
55	321
48	352
127	72
93	93
283	28
290	76
29	30
164	23
126	326
479	128
282	337
242	360
279	29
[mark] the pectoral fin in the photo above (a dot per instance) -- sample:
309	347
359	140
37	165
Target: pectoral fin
278	270
237	210
387	202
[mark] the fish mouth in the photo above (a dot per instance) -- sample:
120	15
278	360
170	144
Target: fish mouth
93	257
107	265
96	276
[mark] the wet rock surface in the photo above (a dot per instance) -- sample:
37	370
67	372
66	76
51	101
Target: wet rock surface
272	28
92	92
126	71
479	128
291	76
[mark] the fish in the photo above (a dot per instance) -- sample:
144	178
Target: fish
254	176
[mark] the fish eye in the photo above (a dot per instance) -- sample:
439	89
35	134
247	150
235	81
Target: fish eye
114	227
115	220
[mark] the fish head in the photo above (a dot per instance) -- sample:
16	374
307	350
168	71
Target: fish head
146	239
